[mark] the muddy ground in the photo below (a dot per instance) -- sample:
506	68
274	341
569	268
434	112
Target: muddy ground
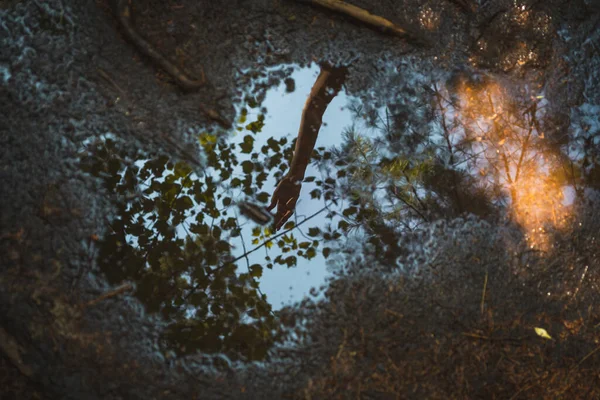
68	76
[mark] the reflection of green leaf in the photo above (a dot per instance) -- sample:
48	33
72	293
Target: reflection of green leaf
256	126
182	169
343	225
290	261
263	197
256	270
184	278
326	252
274	145
236	182
247	166
247	144
223	246
183	203
289	225
349	211
243	115
313	231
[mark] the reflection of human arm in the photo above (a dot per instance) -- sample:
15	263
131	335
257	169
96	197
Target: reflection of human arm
327	86
286	194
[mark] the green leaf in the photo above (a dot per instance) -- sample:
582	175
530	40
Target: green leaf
289	225
291	261
349	211
247	166
243	115
236	182
273	144
256	270
247	145
256	126
223	246
343	225
263	197
182	169
312	232
183	203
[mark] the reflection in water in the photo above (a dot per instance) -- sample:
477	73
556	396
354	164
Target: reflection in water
506	134
467	144
171	237
445	144
174	230
421	199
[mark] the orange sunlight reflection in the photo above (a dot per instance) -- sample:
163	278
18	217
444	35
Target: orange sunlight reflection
504	129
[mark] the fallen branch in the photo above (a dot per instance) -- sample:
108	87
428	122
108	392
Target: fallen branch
121	289
182	79
380	23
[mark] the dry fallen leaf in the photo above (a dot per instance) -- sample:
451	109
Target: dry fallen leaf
543	333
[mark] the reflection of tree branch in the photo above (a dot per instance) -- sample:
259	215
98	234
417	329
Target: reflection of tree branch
438	96
414	190
278	235
523	150
399	197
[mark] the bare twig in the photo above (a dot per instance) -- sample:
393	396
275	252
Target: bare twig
485	281
279	235
120	290
591	353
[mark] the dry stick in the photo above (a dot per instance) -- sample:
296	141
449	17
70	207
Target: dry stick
182	79
121	289
588	355
384	25
485	281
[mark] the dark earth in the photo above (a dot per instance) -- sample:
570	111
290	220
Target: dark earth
446	296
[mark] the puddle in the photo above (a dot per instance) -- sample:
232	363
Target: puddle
284	285
446	207
204	252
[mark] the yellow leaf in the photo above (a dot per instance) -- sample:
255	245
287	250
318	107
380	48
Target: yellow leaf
206	138
542	332
500	143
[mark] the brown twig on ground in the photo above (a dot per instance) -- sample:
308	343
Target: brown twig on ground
181	78
121	289
384	25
